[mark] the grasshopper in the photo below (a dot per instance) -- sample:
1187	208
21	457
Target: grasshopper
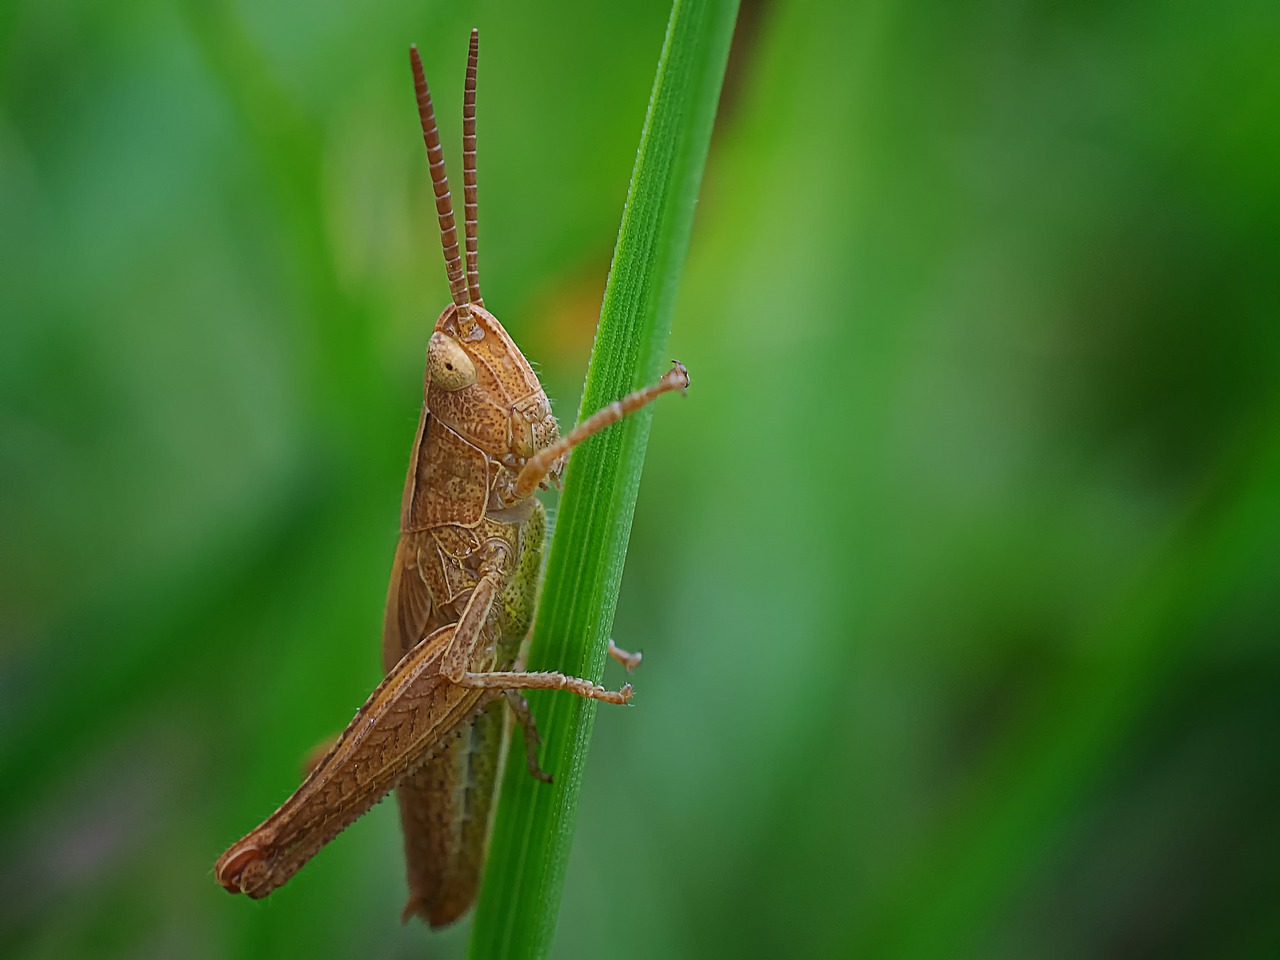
461	599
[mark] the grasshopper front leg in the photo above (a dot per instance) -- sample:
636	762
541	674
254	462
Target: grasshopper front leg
537	467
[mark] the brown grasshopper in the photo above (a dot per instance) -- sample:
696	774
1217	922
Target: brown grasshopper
461	600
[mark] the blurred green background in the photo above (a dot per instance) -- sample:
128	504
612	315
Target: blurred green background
957	572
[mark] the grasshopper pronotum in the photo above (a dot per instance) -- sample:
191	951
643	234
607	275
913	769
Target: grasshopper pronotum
461	600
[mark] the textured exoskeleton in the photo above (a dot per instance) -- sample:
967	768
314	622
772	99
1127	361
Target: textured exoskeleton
461	599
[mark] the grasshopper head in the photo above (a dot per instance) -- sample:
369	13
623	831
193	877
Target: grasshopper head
480	385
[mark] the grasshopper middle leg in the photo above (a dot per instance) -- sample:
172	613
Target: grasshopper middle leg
469	637
532	739
550	680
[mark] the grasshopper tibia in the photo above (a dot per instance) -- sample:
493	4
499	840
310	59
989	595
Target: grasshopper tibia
468	636
538	466
532	739
550	680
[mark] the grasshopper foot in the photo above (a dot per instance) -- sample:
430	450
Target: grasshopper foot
628	660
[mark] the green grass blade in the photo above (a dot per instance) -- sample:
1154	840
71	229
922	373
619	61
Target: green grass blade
520	900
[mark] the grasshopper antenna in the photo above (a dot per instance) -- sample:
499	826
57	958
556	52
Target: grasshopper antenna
440	184
470	220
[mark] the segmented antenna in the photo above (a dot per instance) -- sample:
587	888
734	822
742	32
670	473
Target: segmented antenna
440	184
470	220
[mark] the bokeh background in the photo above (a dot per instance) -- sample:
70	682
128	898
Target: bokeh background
957	572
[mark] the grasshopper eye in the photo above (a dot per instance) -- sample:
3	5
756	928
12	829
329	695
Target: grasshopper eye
451	369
